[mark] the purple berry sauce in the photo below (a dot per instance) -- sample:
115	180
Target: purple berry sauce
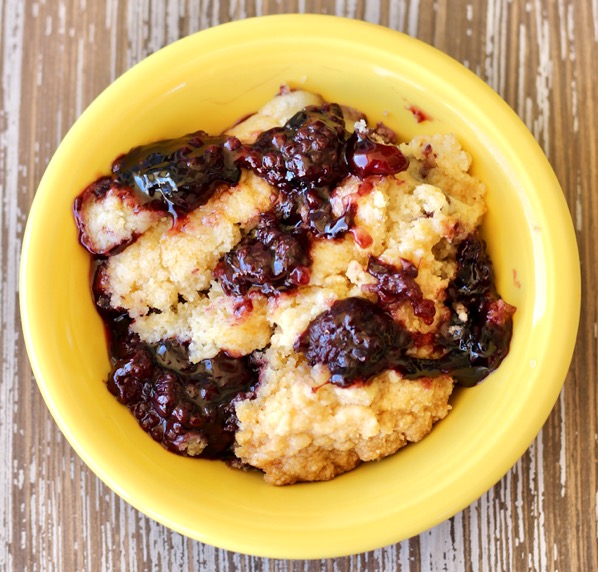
367	158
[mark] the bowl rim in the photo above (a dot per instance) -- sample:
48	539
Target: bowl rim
307	26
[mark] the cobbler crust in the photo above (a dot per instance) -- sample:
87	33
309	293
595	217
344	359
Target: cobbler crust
300	428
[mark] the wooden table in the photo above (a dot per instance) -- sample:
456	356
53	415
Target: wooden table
57	55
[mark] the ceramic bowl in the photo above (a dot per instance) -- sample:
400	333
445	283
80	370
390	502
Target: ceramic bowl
208	81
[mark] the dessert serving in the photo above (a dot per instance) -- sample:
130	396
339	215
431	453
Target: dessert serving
299	294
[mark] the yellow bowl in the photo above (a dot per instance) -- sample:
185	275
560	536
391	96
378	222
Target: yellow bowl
208	81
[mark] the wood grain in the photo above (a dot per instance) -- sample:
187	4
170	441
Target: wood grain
56	56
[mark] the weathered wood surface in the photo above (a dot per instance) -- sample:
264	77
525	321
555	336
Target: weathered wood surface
57	55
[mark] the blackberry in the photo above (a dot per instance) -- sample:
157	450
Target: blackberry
397	285
272	259
355	339
474	271
182	173
307	152
188	408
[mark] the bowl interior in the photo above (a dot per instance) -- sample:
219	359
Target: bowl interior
208	81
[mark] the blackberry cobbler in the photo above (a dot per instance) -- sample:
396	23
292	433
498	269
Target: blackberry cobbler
299	294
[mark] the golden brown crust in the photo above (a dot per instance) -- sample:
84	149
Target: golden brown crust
297	430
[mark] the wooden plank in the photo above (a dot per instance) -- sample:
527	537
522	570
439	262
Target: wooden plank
56	56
